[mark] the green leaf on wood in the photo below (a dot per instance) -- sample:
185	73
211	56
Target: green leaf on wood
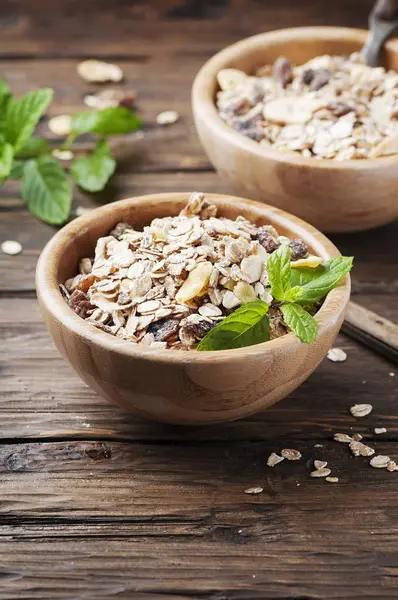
113	120
300	322
93	172
23	114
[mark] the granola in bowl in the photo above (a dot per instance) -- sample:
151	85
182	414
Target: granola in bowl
332	107
168	285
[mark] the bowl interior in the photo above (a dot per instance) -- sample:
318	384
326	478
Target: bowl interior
78	239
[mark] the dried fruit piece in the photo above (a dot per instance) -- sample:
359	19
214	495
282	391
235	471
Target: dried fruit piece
80	303
230	79
291	454
196	283
60	125
274	459
11	247
361	410
98	71
167	117
298	249
336	355
267	240
282	71
321	472
164	329
311	262
254	490
380	461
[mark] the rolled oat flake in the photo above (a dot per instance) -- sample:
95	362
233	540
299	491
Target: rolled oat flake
167	117
11	247
361	410
254	490
380	461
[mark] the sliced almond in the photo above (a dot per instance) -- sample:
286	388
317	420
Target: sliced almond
196	283
230	79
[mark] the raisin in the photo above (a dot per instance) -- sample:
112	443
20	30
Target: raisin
101	326
85	283
267	240
120	229
308	76
80	304
339	109
282	71
198	328
298	249
320	79
162	330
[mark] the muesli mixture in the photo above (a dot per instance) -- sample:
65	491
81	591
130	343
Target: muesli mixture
170	284
333	107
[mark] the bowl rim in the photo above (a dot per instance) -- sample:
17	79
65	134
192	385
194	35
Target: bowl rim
49	294
205	81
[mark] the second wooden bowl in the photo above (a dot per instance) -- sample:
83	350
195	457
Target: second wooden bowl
332	195
188	387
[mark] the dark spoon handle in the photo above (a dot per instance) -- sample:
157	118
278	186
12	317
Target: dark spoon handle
383	21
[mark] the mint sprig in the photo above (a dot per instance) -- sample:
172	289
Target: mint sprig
300	321
246	326
45	186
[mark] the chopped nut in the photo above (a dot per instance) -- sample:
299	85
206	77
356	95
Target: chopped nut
274	459
379	461
321	472
336	355
11	247
254	490
196	283
357	437
361	410
97	71
291	454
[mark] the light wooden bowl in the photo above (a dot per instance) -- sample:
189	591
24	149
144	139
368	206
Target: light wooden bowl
332	195
188	387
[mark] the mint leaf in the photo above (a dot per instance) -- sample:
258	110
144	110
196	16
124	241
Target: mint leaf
322	281
24	114
113	120
279	272
246	326
300	322
33	147
46	190
17	169
5	97
302	275
6	158
92	172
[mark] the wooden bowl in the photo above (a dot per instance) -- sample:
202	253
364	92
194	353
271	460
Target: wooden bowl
332	195
188	387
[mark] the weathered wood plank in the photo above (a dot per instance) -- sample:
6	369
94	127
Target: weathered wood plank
35	405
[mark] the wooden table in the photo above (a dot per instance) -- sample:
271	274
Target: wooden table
97	504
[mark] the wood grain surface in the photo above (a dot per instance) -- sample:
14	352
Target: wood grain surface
97	504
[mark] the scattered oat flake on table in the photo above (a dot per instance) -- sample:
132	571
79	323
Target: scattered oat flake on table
291	454
11	247
98	71
321	472
62	154
392	466
336	355
342	437
379	430
332	479
318	445
360	449
320	464
361	410
357	437
167	117
380	461
392	374
274	459
60	125
254	490
110	97
82	210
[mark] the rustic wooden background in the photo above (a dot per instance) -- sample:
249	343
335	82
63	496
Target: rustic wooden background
97	504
